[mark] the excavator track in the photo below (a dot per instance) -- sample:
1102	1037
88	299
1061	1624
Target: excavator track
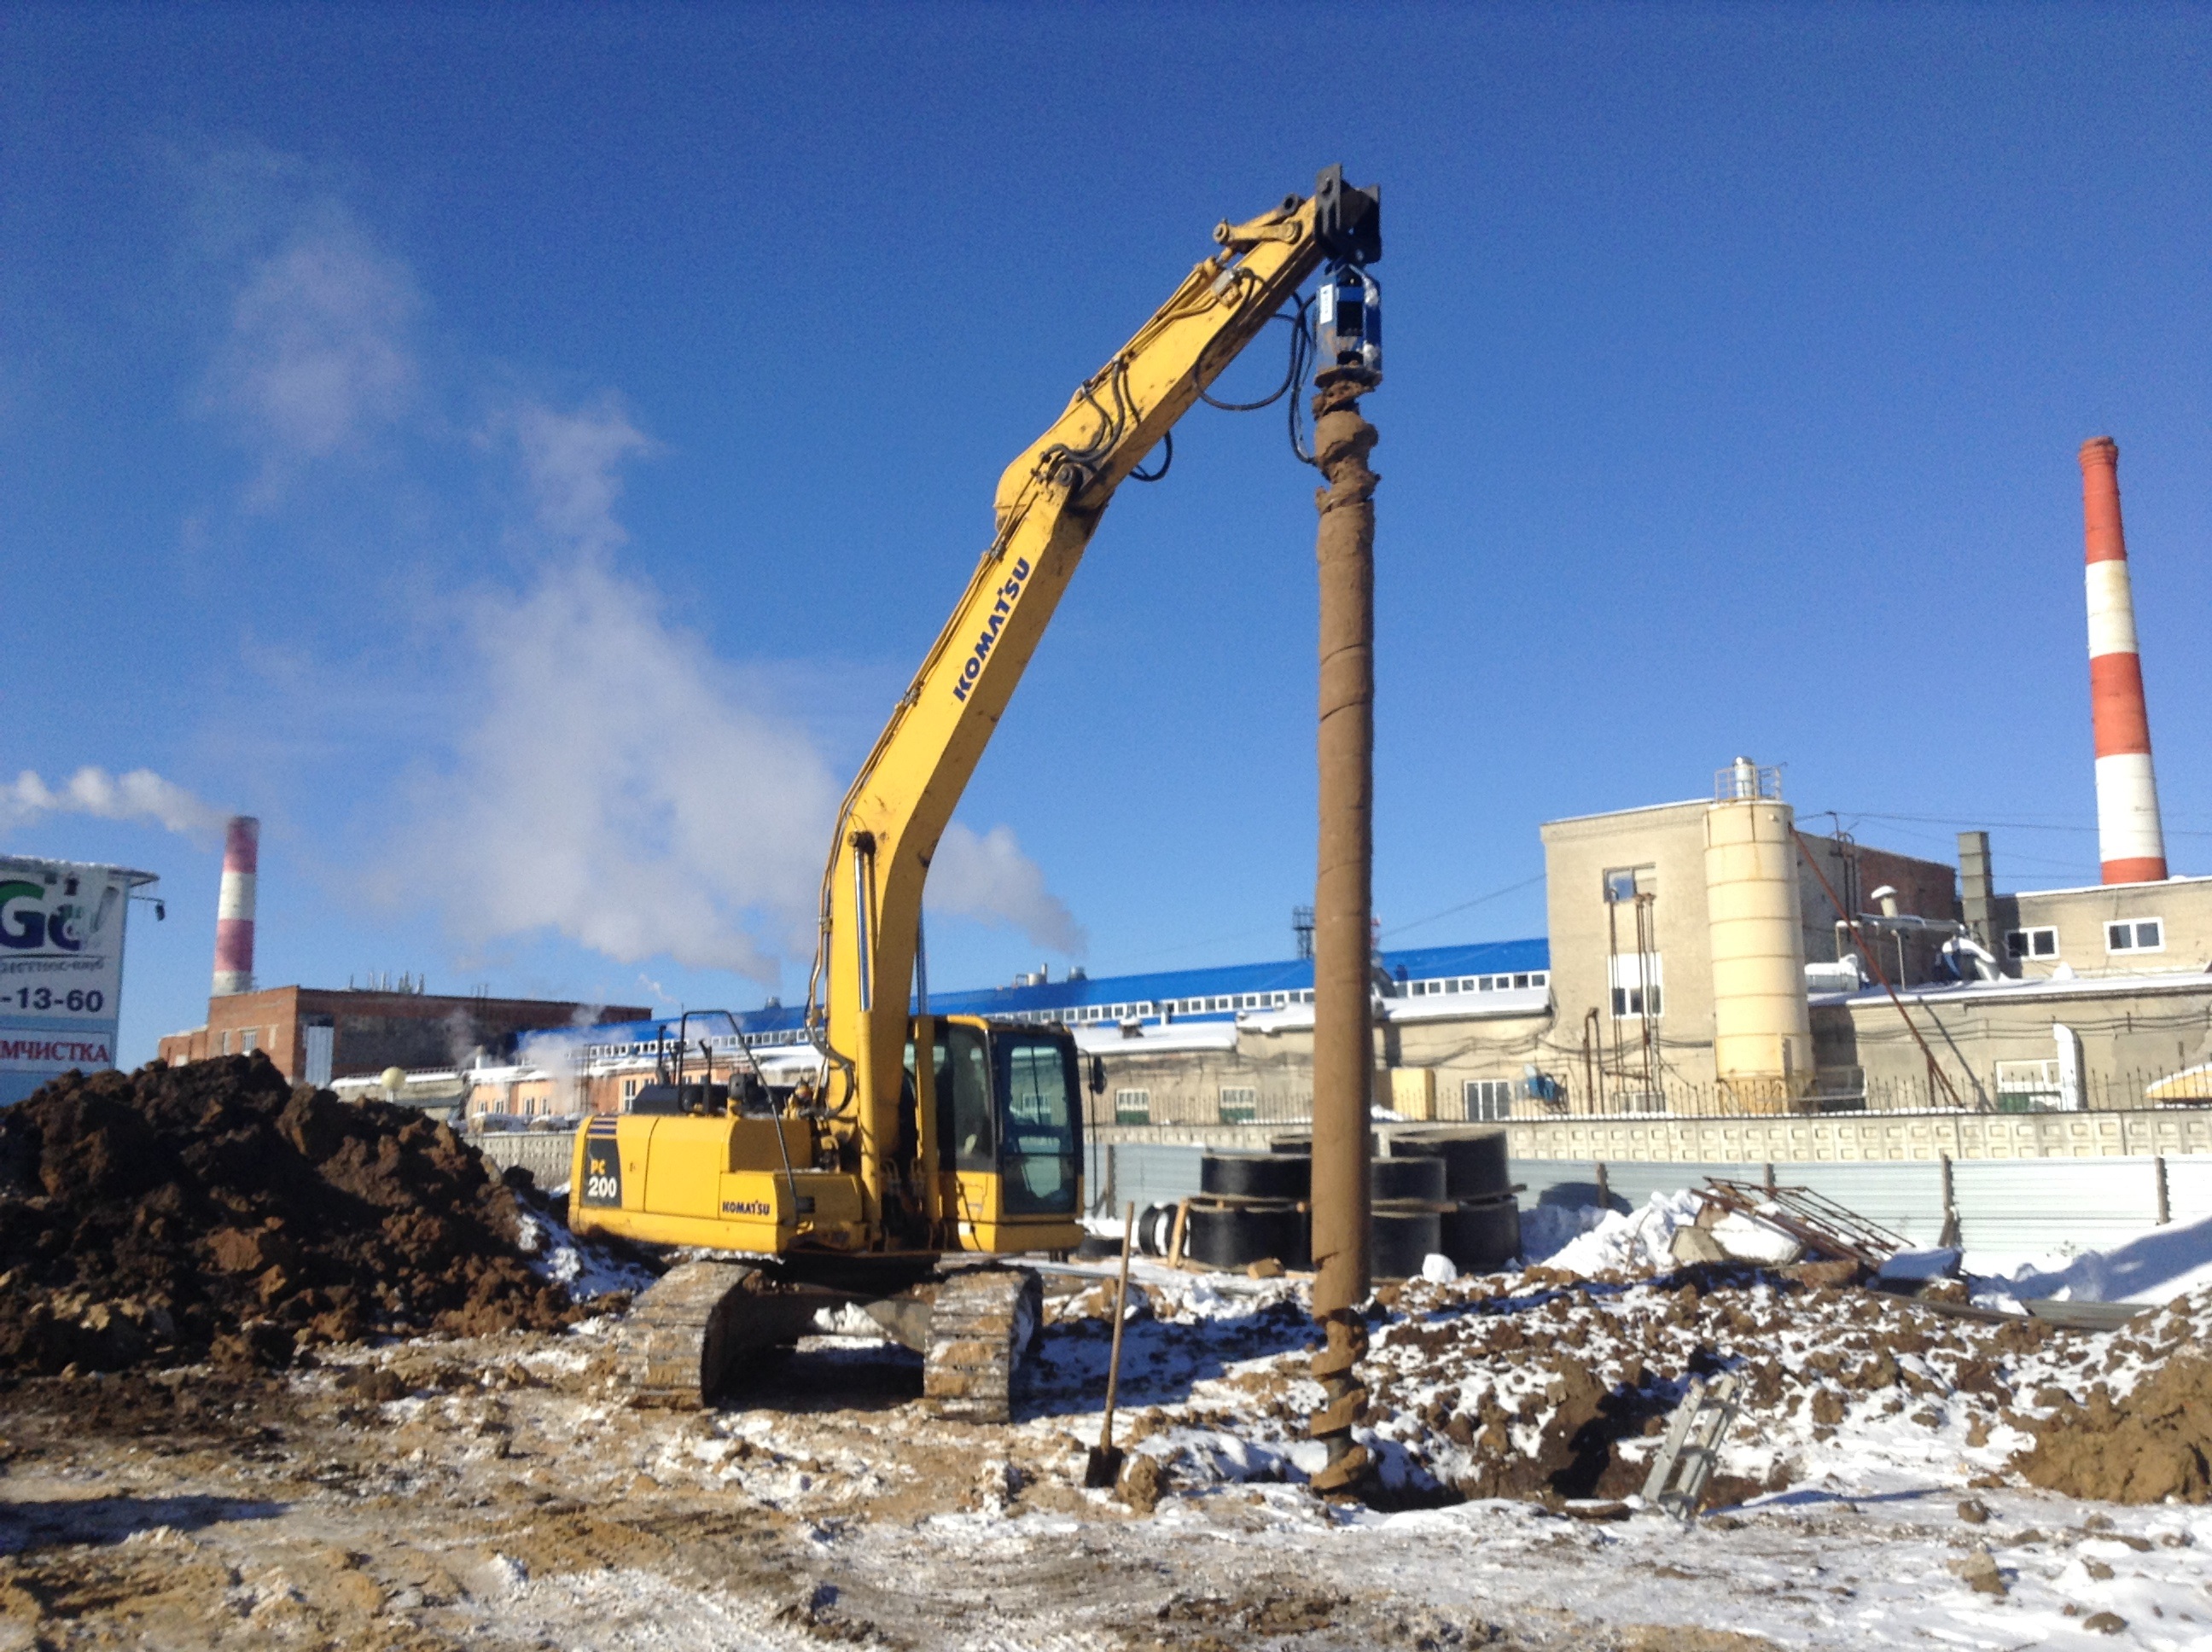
980	1326
686	1338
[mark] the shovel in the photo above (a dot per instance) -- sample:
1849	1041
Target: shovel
1104	1469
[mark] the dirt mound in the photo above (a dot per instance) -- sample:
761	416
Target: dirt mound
2151	1441
165	1215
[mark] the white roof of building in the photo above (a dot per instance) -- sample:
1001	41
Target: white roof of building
2062	987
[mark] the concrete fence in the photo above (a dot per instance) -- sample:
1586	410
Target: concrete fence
1838	1138
546	1155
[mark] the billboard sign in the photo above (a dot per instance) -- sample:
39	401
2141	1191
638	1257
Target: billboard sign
61	968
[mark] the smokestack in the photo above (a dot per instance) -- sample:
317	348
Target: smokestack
2130	840
1978	888
234	912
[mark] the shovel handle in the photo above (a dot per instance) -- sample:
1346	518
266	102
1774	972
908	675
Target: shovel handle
1120	1307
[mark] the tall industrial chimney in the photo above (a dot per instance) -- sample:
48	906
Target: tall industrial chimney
234	912
2130	840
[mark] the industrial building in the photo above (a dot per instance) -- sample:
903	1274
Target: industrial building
1706	959
318	1035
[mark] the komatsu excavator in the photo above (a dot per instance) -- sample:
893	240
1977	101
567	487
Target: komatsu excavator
937	1144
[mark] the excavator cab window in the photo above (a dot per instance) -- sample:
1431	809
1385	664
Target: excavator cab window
964	1098
1037	1077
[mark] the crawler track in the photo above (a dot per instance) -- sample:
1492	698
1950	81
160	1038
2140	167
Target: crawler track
686	1339
981	1327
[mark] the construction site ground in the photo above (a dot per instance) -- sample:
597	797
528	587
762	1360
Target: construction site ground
496	1490
277	1371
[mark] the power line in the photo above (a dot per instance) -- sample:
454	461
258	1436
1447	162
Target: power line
1415	923
1974	822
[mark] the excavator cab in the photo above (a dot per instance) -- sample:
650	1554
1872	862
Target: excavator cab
998	1111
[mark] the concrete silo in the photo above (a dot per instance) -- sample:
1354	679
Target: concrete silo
1762	1029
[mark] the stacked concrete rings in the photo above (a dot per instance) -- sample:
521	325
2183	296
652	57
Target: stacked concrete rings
1481	1228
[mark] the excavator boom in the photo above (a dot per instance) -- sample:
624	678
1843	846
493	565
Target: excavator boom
1048	503
933	1133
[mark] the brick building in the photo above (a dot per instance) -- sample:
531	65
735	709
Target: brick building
316	1035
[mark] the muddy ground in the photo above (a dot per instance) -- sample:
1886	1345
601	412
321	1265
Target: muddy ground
277	1371
495	1492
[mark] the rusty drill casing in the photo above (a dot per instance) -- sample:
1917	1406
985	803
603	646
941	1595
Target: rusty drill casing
1343	1051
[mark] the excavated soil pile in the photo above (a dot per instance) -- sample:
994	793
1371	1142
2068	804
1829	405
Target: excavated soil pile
1535	1390
167	1215
1550	1385
2142	1432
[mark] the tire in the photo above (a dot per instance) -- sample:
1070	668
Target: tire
1484	1235
1409	1177
1256	1175
1399	1242
1238	1237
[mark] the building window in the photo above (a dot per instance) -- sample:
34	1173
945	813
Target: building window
2139	935
250	1039
1132	1106
1239	1104
2033	942
1488	1098
1539	978
1636	985
630	1090
1624	883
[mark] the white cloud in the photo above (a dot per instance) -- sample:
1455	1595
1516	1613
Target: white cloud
615	784
572	466
988	878
139	795
317	357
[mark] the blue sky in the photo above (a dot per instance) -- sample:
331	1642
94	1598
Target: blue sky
521	454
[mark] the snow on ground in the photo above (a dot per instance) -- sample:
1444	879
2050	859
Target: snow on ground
501	1493
2153	1267
1623	1239
587	1268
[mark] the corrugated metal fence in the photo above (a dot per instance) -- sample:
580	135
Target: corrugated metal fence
548	1155
2015	1206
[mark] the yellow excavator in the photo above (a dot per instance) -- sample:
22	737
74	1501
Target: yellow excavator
934	1141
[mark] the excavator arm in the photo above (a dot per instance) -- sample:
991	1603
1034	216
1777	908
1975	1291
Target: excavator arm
1049	504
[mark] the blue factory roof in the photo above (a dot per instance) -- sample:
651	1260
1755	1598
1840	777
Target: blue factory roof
1176	987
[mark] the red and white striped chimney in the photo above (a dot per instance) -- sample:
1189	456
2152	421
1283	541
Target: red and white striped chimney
2130	841
234	912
